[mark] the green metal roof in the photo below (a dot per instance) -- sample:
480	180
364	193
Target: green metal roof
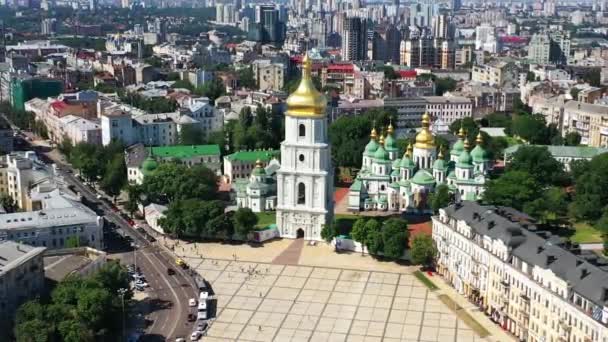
356	186
252	156
479	154
565	151
371	147
464	160
440	164
457	148
381	154
423	177
186	151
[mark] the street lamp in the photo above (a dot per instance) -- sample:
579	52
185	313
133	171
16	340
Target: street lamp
121	293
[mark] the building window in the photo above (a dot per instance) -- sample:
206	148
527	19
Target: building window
301	157
301	193
301	130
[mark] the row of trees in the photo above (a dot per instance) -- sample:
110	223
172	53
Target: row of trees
257	130
388	238
95	162
80	309
150	105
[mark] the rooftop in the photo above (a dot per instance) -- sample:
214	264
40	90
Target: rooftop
586	108
13	254
186	151
565	151
252	156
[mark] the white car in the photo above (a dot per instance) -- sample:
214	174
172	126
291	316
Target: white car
192	302
141	283
204	295
180	339
201	316
202	306
195	336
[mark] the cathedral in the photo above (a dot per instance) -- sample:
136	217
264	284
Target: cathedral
388	183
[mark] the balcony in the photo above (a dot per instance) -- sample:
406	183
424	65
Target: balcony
525	297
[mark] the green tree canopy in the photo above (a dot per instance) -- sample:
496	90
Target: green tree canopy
394	237
440	198
512	189
540	164
171	181
423	250
244	221
191	135
190	217
591	188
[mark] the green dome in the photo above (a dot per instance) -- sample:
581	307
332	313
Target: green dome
464	160
371	147
423	177
439	164
381	153
389	143
148	166
407	163
479	154
396	163
457	148
258	171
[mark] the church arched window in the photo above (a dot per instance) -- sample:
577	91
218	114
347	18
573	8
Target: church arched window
301	130
301	193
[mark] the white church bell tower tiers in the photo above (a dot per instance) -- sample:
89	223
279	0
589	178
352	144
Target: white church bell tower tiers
305	179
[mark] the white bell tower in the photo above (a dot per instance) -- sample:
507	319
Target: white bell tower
305	179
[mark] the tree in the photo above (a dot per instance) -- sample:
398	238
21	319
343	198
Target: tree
329	231
533	129
213	89
114	176
591	188
190	217
7	202
394	237
244	221
443	85
440	198
222	225
183	84
540	164
389	73
65	146
549	206
247	78
113	277
359	233
530	76
191	135
496	120
593	78
375	244
512	189
423	250
133	193
574	93
171	182
572	139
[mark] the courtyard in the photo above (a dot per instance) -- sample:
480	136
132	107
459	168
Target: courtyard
288	290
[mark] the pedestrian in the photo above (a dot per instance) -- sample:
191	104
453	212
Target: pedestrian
259	328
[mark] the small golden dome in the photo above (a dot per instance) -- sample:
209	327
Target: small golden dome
440	156
461	132
373	134
258	163
409	150
466	144
306	101
479	139
381	141
425	139
390	129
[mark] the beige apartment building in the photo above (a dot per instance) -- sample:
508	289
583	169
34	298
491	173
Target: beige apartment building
533	284
269	75
588	120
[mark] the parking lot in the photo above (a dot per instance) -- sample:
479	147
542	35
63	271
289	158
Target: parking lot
269	302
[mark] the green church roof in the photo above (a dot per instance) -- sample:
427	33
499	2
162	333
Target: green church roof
371	147
479	154
423	177
252	156
381	153
186	151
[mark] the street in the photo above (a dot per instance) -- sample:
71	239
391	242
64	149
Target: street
166	309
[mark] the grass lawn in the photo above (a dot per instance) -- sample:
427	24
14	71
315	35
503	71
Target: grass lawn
585	233
426	281
266	218
463	315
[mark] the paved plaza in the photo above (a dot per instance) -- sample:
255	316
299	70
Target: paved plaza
271	302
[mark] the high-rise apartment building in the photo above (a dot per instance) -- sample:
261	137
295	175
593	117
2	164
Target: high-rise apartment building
385	44
421	12
268	26
549	48
354	39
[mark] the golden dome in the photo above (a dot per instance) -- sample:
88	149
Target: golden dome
306	101
425	139
381	141
479	139
461	132
390	128
373	134
258	163
440	156
466	144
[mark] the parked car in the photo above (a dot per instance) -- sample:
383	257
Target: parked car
202	305
191	318
170	271
201	315
202	326
192	302
203	296
195	336
180	339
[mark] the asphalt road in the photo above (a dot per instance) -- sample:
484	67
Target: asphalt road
167	302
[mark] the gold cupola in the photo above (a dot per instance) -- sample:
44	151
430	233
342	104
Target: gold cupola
306	101
425	139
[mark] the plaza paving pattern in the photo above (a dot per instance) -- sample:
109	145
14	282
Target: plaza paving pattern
271	302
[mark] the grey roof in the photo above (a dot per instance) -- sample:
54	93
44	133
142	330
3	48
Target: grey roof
135	155
587	276
13	254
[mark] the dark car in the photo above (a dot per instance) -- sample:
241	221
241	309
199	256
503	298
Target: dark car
170	271
191	317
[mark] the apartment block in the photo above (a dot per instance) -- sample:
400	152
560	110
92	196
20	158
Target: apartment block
588	120
537	286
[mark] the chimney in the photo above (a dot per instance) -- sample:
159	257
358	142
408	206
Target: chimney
550	259
584	273
540	249
491	224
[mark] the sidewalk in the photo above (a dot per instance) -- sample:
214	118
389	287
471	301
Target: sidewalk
496	333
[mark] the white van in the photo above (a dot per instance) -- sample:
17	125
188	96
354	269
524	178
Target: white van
201	316
203	296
